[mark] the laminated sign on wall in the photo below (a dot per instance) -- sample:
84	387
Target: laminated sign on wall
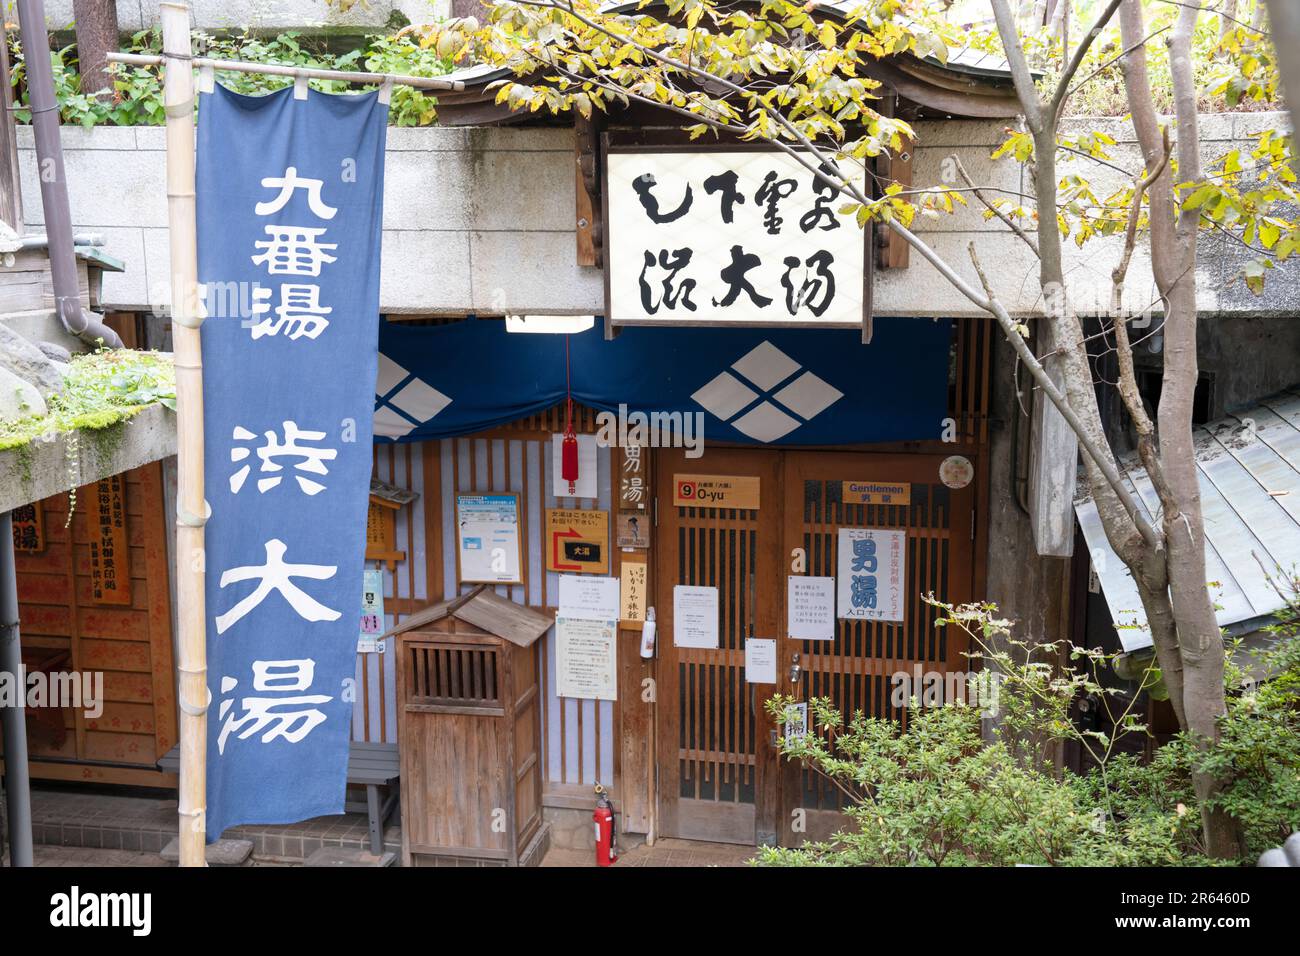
487	537
871	574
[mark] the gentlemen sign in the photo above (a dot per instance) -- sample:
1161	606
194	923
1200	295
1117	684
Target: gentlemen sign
289	196
729	237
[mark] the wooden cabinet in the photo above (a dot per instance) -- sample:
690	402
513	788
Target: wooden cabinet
470	743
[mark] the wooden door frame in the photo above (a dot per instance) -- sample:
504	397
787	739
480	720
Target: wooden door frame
776	786
839	465
676	820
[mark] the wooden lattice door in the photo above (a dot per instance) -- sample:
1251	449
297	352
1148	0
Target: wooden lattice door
718	775
854	669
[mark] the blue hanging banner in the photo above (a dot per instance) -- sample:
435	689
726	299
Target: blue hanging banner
786	386
289	203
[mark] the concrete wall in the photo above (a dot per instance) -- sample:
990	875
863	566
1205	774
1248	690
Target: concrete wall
260	14
482	220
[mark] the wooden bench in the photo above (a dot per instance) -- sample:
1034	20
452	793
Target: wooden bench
370	765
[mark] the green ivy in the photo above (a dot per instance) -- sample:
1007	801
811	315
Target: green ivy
136	99
100	391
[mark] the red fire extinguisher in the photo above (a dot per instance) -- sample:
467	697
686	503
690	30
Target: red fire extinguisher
606	828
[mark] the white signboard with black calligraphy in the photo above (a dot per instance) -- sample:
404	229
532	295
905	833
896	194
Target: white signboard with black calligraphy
743	237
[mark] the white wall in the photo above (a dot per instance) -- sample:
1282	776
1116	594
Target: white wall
482	220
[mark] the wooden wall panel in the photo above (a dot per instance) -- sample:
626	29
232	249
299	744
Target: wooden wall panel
579	737
130	645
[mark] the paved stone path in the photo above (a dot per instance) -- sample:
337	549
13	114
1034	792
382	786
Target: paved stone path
669	853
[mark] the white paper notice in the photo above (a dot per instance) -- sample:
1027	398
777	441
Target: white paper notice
871	574
810	608
586	655
695	616
585	595
760	660
585	486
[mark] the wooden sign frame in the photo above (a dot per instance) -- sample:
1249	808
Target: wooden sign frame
521	530
673	141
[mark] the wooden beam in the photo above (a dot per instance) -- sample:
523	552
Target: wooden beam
896	168
587	219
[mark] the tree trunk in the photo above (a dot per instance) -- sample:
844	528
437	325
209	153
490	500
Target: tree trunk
96	25
1200	647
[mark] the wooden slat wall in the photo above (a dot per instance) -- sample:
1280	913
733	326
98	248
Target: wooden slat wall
578	737
131	645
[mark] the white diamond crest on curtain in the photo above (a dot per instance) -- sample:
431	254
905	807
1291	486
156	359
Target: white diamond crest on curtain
777	414
410	406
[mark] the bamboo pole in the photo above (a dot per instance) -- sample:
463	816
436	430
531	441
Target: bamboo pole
277	69
191	509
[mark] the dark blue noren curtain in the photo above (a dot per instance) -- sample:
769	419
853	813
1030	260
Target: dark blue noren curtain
785	386
289	216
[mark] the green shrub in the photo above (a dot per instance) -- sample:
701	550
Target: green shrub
942	791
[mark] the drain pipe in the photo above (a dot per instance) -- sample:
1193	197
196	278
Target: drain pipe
18	792
82	323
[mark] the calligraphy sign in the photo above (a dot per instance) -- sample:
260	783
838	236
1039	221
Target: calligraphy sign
632	593
632	491
289	195
29	527
730	237
110	570
871	574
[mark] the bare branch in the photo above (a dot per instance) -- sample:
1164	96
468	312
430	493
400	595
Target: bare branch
1011	223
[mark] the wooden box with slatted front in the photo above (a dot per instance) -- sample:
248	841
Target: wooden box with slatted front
470	740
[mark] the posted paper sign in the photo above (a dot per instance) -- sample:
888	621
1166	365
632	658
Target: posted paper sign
586	656
595	598
760	660
871	574
810	608
372	610
695	616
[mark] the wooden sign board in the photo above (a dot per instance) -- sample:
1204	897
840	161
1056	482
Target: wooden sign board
577	541
876	492
715	491
29	528
633	530
633	592
381	533
632	491
110	568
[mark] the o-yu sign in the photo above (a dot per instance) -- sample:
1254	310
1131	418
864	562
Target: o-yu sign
730	236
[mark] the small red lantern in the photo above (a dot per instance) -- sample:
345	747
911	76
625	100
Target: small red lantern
569	447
